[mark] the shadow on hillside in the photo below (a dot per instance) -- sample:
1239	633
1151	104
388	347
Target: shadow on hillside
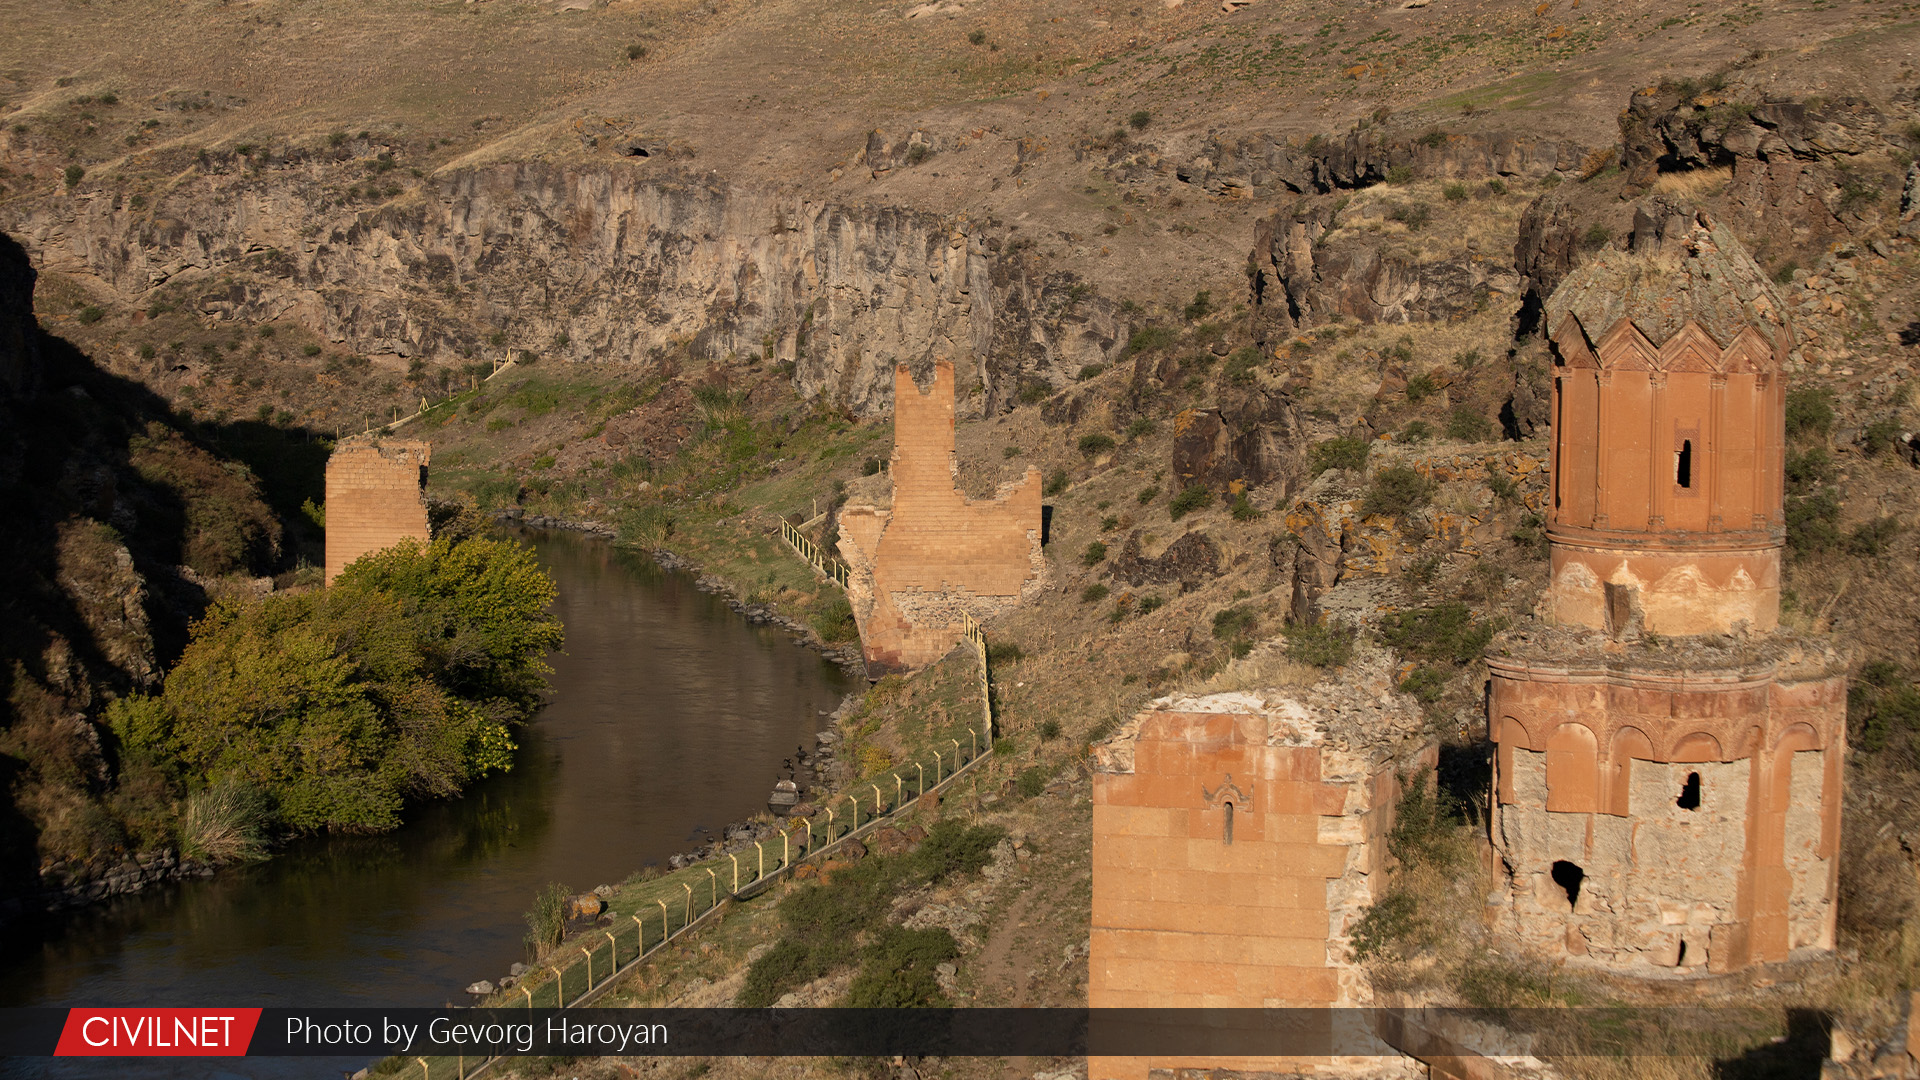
71	633
1798	1056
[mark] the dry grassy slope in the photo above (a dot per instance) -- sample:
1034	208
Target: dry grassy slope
783	93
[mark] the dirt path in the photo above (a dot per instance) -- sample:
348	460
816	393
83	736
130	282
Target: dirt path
1001	980
1001	983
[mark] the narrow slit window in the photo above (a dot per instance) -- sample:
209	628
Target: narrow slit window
1689	793
1683	464
1228	836
1680	959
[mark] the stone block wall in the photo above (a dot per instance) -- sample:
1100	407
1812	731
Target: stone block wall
1667	473
1668	820
1237	839
376	497
934	555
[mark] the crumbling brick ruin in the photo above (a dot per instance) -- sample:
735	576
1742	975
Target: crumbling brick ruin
1237	838
376	497
934	554
1667	781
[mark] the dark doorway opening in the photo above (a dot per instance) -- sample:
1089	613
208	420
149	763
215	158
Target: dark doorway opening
1569	876
1683	467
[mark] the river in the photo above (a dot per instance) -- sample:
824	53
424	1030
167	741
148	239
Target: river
670	715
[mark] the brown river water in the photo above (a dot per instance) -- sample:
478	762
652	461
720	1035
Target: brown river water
670	715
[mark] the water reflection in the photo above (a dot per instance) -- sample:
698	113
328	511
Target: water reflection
669	715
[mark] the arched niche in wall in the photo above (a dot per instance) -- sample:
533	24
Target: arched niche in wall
1695	748
1628	744
1795	738
1509	734
1573	770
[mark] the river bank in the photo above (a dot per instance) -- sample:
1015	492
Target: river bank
669	719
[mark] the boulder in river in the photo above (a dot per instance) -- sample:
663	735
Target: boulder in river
481	988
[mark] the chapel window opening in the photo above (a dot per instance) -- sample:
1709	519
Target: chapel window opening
1689	793
1569	876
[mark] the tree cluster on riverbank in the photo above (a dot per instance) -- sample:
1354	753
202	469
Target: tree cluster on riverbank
330	709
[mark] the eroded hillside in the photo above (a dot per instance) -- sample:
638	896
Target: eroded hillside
1259	293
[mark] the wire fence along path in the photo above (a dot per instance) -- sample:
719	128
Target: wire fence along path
587	966
399	421
835	570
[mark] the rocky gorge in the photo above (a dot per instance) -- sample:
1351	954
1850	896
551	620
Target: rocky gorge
604	264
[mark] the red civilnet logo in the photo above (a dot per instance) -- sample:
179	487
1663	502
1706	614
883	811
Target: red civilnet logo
157	1032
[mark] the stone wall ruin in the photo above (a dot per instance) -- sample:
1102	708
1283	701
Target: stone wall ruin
1237	838
1667	781
376	497
933	556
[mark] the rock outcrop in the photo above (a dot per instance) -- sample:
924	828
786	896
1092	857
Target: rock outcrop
106	502
1243	165
1303	273
594	265
1797	177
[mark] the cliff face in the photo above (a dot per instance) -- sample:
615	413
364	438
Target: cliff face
116	516
594	265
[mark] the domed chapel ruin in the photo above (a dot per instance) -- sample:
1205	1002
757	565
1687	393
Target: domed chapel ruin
1667	781
1667	775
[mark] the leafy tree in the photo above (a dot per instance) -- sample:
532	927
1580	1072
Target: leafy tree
400	681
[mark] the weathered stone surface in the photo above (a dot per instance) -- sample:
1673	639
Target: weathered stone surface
1222	447
1680	266
930	557
19	335
888	842
1239	166
623	265
1793	167
376	497
1668	438
1329	539
1302	279
1237	838
1669	765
